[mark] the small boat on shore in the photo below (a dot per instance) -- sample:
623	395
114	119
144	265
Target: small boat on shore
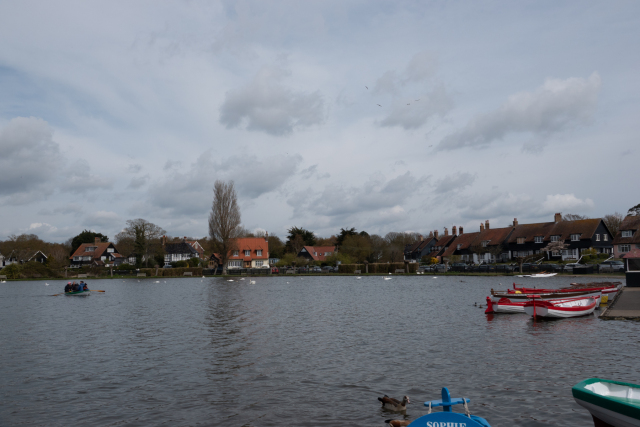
78	293
560	308
611	403
447	417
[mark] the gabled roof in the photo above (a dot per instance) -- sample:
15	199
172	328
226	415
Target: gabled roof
318	252
252	244
585	227
36	254
495	236
629	223
633	253
464	240
100	249
180	248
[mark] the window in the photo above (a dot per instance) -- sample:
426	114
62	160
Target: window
90	248
235	253
555	238
521	240
539	239
327	253
110	250
575	237
555	253
259	252
247	252
86	258
235	263
605	237
624	248
77	258
597	237
485	243
259	263
627	233
459	246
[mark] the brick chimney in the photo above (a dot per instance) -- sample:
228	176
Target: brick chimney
163	240
446	231
420	237
96	241
266	236
486	224
461	231
557	218
435	234
454	231
515	222
431	234
481	227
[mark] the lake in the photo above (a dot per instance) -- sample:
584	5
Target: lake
294	351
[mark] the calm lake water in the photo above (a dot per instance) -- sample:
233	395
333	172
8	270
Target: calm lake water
293	351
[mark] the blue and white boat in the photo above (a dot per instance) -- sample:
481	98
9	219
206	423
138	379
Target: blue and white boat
448	418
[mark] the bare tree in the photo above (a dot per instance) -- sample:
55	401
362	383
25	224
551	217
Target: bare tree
634	211
144	234
558	246
224	220
613	222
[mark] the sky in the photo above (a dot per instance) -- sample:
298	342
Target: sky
378	115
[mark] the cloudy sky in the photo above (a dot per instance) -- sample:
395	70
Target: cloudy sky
379	115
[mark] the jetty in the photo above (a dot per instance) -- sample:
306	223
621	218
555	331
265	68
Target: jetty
625	306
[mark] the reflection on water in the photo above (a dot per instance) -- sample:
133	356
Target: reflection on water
311	352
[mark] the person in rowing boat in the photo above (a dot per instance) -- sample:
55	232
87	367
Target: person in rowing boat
75	287
84	286
68	287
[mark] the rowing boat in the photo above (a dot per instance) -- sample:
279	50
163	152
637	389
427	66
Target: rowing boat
539	275
560	308
609	290
611	403
78	294
520	297
448	418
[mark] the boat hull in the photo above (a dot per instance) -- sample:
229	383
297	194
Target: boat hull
619	408
78	294
562	308
496	296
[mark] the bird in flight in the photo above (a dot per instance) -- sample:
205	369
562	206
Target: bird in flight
431	146
367	87
379	105
408	104
417	100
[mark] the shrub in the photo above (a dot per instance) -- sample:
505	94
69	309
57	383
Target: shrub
12	271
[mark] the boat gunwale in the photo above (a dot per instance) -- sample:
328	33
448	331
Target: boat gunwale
621	405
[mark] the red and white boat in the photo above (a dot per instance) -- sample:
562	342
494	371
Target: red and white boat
560	308
609	290
496	296
504	305
501	302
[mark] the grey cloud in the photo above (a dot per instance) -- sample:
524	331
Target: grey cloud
67	209
172	164
189	191
454	182
268	106
138	182
134	168
437	102
79	179
387	83
375	194
28	161
102	219
422	66
312	171
553	107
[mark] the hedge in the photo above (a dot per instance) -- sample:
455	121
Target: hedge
377	268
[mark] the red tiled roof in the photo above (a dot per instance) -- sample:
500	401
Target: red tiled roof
633	253
320	251
629	223
464	240
585	227
97	253
252	244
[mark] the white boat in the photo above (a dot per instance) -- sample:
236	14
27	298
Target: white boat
561	308
539	275
611	403
496	296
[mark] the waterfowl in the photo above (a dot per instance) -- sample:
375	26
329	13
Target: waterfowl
398	423
394	404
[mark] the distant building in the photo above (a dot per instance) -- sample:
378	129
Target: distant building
628	237
317	253
98	253
252	252
38	257
178	251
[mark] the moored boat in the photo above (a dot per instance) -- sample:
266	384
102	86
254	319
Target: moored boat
539	275
447	417
78	293
608	290
611	403
522	297
560	308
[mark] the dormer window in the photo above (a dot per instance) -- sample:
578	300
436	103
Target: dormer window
459	246
555	238
627	233
485	243
520	240
259	252
235	253
90	248
539	239
247	252
575	237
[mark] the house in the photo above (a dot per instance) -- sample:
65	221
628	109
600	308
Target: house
38	257
416	251
252	252
490	244
628	237
317	253
579	235
11	259
462	246
98	253
194	243
178	251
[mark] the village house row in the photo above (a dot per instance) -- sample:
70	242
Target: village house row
491	245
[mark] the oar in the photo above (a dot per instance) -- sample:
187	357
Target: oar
93	290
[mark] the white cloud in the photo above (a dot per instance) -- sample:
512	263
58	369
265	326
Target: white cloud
567	203
138	182
79	179
555	106
105	219
266	105
454	182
